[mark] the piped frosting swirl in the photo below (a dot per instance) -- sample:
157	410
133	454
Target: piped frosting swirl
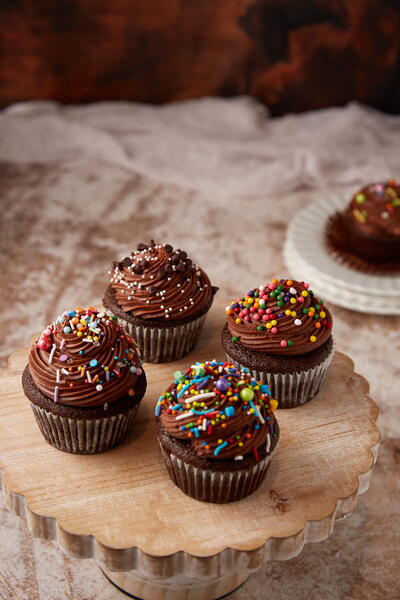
375	209
221	409
158	282
85	359
282	317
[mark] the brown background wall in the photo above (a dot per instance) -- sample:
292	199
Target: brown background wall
293	55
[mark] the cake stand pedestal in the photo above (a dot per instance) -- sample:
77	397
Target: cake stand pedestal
153	541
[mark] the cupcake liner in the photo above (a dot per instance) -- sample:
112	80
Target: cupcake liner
165	344
83	436
292	389
215	486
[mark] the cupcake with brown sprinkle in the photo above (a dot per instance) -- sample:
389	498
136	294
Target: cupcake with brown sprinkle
281	332
366	235
217	431
84	381
161	297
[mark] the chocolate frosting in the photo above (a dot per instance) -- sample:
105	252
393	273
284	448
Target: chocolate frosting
283	317
375	209
221	409
158	282
84	359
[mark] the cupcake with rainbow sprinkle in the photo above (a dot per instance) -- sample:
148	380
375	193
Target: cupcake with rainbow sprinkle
84	381
217	431
281	332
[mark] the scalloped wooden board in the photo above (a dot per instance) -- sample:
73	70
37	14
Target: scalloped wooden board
124	499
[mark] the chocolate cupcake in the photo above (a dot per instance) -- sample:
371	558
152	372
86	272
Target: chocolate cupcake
282	333
217	431
366	235
84	382
161	297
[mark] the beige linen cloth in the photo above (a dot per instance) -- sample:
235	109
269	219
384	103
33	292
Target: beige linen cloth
81	185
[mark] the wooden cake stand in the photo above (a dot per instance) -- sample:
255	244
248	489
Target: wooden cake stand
152	540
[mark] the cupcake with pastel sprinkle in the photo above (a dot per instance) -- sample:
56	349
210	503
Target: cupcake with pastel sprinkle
281	332
217	431
84	381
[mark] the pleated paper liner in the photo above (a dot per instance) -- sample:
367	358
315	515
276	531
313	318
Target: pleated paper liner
292	389
84	436
165	344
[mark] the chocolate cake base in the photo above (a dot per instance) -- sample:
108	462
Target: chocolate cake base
160	340
83	430
216	481
292	380
373	254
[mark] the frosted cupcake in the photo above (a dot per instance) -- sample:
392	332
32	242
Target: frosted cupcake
282	333
217	431
84	382
161	297
366	235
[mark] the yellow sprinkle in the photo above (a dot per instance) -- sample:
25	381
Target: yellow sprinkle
293	313
273	404
240	444
304	293
287	313
220	441
293	300
238	320
223	416
322	314
274	322
106	368
212	422
269	325
79	333
313	338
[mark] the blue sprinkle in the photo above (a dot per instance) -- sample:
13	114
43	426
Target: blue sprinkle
265	389
229	411
196	432
183	390
219	448
132	369
67	329
81	352
71	313
93	362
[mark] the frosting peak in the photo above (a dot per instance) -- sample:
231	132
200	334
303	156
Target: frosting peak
376	208
220	408
158	282
84	359
282	317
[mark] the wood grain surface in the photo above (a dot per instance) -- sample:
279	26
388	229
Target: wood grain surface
61	226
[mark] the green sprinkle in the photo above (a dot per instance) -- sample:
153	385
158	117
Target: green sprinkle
290	343
317	306
305	311
260	328
235	338
281	303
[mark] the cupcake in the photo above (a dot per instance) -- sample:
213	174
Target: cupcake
161	297
366	235
84	382
282	333
217	431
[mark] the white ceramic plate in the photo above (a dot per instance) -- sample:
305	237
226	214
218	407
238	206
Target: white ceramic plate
307	259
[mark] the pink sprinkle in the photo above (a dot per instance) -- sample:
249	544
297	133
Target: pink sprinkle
274	330
256	317
283	343
47	331
265	318
63	357
306	285
300	299
261	311
265	298
252	309
241	314
247	318
245	311
272	286
269	311
139	371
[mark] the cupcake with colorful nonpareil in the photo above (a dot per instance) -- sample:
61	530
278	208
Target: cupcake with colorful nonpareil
281	332
217	431
366	234
161	297
84	382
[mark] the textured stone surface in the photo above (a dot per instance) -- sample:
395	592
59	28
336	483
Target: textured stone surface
61	226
